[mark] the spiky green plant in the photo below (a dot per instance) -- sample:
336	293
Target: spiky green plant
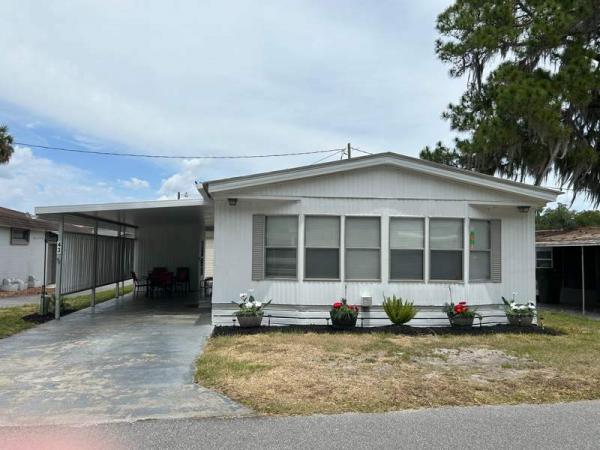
399	311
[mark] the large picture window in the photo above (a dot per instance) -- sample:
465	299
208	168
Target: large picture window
363	248
407	246
480	250
446	249
322	247
281	243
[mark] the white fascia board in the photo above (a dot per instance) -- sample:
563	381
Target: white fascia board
97	207
547	195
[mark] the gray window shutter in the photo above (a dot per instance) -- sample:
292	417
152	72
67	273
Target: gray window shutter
496	251
258	247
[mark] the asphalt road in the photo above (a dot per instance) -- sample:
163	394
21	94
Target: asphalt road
559	426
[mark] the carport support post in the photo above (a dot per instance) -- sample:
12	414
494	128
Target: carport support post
59	252
582	281
118	260
95	265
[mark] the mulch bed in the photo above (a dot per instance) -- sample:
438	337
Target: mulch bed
393	329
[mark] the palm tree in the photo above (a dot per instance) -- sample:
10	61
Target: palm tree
6	145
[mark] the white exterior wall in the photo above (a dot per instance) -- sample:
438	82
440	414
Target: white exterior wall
170	246
20	261
339	195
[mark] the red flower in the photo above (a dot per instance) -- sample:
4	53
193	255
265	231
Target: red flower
337	305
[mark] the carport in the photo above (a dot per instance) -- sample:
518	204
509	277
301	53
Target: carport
118	238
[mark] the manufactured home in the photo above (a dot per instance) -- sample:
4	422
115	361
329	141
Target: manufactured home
359	228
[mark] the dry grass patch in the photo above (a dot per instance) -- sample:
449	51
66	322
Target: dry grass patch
293	373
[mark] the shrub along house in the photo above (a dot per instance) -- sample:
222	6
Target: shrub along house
359	228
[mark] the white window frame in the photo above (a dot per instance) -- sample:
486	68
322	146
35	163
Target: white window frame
346	248
551	259
267	247
17	240
423	249
430	250
488	250
338	248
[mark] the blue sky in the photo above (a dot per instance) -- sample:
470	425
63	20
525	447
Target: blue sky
208	78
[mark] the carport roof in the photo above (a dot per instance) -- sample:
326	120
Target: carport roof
132	214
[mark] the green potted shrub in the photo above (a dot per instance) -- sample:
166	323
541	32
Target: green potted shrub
519	314
460	315
343	315
397	310
251	311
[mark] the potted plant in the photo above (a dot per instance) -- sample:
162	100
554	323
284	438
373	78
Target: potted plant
343	315
519	314
399	311
251	311
460	315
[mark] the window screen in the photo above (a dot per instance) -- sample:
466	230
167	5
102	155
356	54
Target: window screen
479	250
446	249
322	247
407	246
281	241
19	236
363	247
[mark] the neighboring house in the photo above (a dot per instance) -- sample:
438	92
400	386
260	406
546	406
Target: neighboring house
24	243
563	256
360	228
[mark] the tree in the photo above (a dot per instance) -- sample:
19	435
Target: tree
563	218
6	145
532	101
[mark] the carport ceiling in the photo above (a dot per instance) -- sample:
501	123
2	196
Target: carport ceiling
136	214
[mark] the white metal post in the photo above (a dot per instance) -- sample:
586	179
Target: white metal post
582	281
95	265
117	262
59	252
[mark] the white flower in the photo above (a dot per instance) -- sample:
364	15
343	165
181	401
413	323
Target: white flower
257	304
248	305
243	296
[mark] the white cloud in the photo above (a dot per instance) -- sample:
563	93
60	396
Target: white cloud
134	183
28	181
182	181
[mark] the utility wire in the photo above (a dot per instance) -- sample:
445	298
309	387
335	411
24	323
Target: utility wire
145	155
328	156
362	151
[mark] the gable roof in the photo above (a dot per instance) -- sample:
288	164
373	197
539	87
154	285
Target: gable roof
584	236
389	159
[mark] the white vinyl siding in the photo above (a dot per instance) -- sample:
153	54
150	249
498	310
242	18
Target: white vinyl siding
322	247
407	248
281	245
363	248
446	243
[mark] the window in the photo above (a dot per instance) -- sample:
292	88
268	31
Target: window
19	236
407	246
363	246
322	247
480	250
446	249
281	246
543	258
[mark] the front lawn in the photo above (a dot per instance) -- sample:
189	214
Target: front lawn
296	373
19	318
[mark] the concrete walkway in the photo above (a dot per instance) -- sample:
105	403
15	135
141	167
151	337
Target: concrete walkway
131	359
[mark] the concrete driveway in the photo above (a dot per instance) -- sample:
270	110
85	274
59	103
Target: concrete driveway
131	359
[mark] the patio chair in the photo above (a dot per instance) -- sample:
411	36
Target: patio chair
139	284
182	279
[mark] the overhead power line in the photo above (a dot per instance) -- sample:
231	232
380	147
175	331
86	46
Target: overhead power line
146	155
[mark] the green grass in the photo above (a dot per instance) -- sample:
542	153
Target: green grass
84	301
11	319
12	322
297	373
